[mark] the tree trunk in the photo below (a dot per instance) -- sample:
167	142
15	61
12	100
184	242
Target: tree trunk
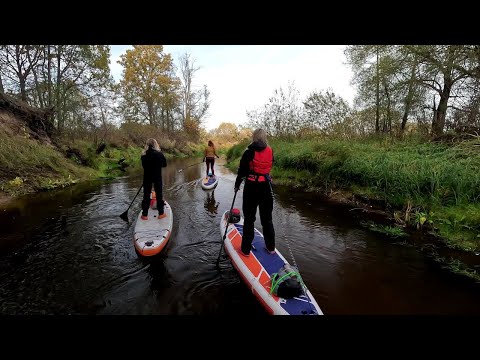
167	121
439	119
57	90
37	86
163	119
21	77
49	76
1	85
409	98
389	118
63	109
22	88
151	115
377	113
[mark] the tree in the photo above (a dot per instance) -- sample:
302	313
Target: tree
54	76
324	109
440	72
282	115
365	62
18	62
388	74
146	81
78	68
195	103
226	132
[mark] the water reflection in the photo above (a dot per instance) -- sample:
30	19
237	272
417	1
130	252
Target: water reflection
210	203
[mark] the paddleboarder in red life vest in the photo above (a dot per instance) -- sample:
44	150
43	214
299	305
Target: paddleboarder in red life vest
255	166
152	162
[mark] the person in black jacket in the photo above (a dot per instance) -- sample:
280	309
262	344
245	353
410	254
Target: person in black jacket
152	162
255	166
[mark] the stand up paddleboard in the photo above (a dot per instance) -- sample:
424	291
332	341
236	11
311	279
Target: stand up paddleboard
151	236
256	271
209	182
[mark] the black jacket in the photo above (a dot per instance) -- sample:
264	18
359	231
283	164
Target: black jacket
152	163
248	155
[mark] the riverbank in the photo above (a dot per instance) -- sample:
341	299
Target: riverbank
29	165
431	187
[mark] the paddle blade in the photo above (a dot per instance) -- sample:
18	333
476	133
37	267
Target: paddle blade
124	216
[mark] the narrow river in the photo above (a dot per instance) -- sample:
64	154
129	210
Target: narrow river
68	252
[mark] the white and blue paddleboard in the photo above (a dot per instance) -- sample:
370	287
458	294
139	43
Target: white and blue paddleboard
152	235
209	182
256	271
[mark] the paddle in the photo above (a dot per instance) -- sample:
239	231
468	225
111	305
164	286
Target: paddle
189	166
124	215
226	229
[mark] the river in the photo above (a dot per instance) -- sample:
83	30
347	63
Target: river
68	252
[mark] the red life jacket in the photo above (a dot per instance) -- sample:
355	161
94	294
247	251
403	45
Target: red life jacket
261	165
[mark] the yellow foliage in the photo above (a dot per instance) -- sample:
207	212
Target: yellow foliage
147	73
16	182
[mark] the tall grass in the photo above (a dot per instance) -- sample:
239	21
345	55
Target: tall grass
440	180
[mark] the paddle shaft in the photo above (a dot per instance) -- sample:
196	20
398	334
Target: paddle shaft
189	166
126	212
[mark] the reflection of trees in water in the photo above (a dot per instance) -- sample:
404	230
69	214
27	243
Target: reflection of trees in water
210	203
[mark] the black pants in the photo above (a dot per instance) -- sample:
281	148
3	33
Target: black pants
147	189
210	162
257	194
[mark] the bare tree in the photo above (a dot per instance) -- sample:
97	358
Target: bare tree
194	103
18	62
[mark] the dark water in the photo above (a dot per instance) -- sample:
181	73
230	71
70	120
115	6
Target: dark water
68	252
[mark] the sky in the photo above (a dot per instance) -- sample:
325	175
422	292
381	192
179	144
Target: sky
242	78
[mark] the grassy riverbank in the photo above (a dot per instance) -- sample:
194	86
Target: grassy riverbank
29	165
432	186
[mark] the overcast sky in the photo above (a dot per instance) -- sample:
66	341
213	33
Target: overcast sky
243	77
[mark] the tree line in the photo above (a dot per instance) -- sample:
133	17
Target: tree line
427	89
75	83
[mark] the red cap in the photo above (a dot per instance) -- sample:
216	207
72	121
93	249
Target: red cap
235	211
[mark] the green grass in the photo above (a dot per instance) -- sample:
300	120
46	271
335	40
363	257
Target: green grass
392	231
27	165
458	224
457	267
441	182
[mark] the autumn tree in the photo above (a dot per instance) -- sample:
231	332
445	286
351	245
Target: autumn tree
147	82
225	132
